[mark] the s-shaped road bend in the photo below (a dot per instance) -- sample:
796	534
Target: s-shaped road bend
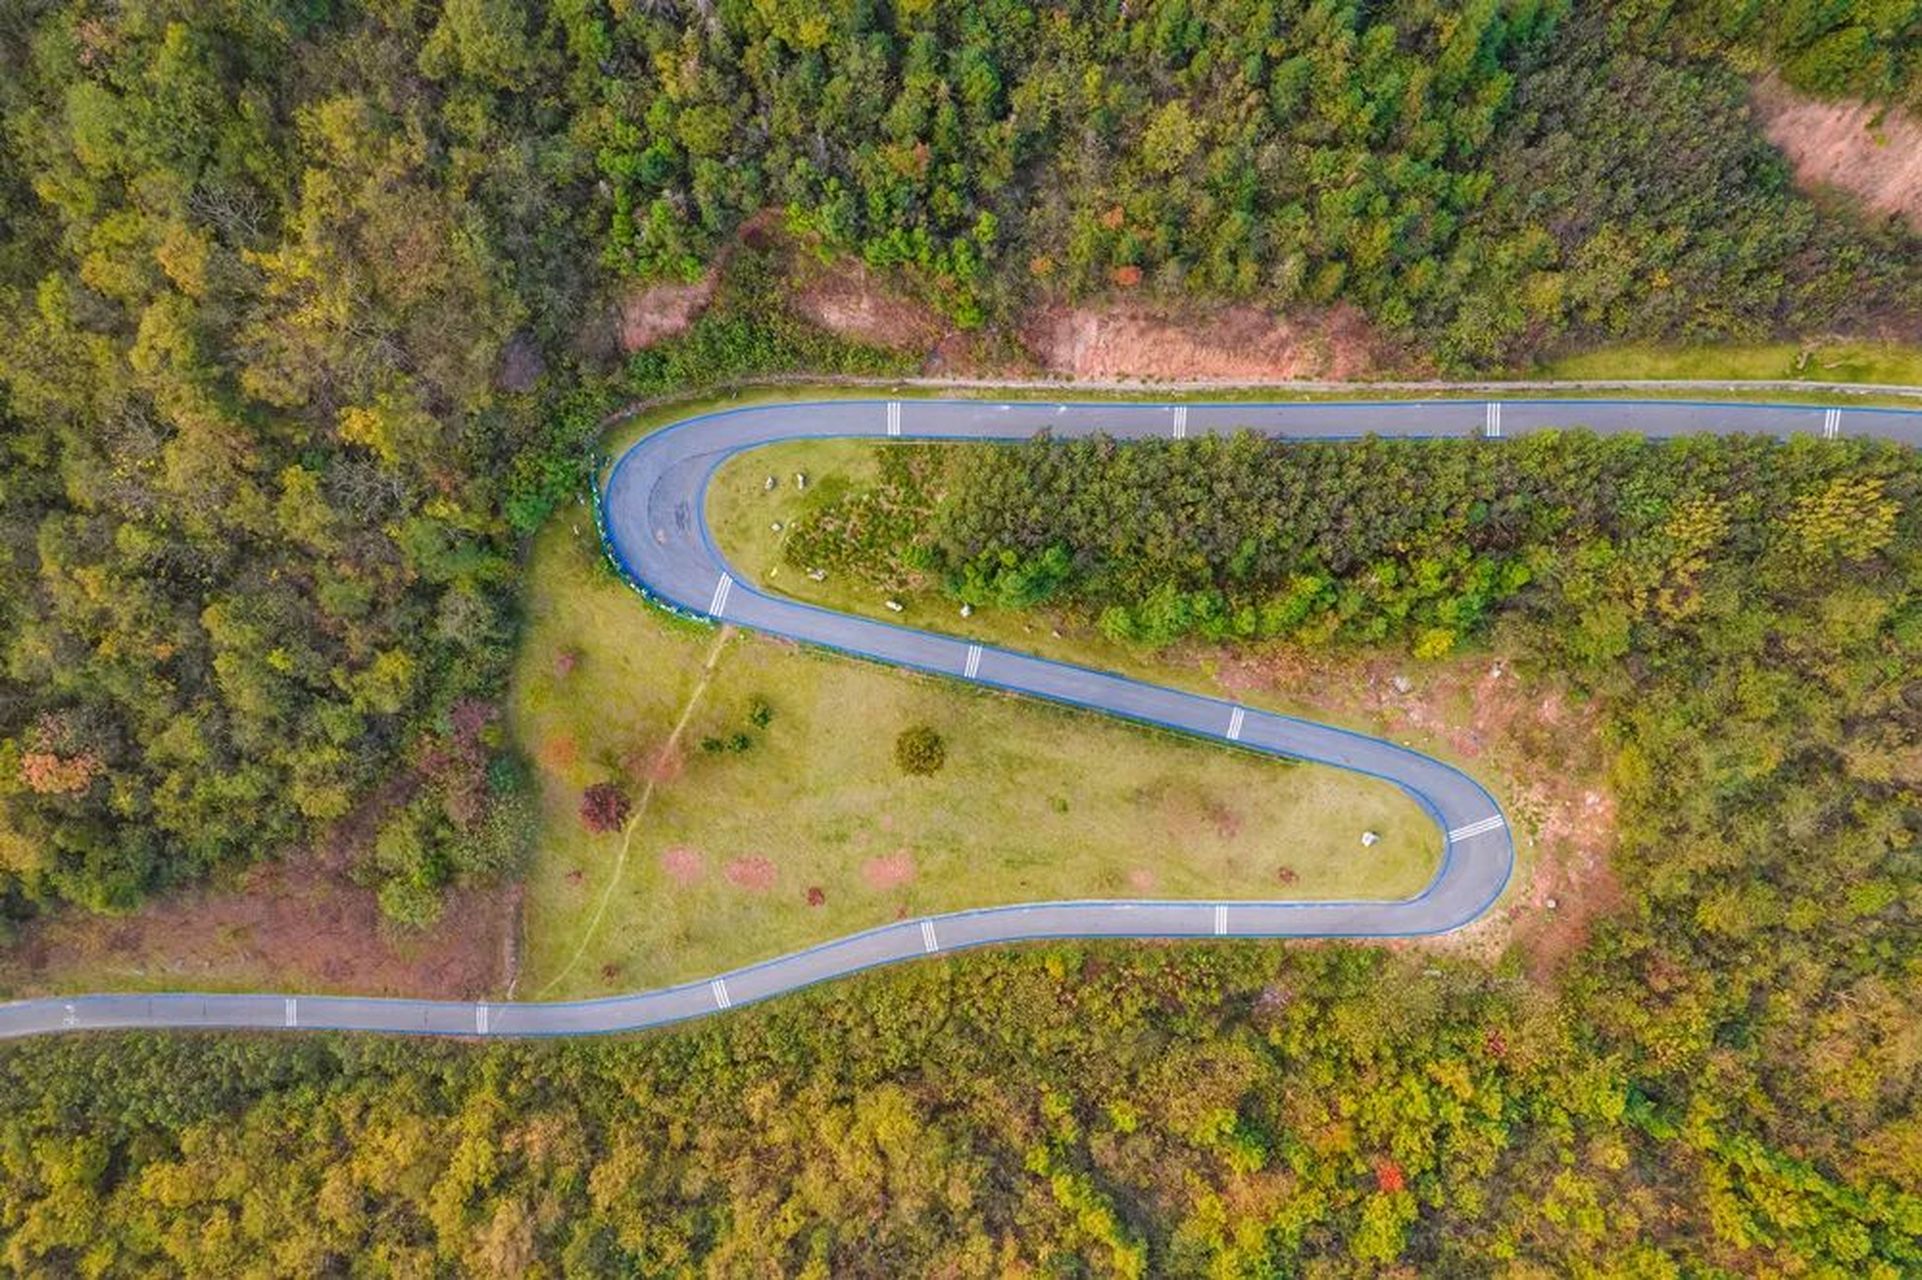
657	532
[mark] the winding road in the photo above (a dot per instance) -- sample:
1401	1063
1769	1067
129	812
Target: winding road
657	531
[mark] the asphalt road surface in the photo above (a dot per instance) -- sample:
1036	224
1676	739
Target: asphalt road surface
657	531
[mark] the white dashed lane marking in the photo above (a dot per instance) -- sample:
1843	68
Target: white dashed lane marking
894	417
721	998
1831	424
974	661
721	589
1492	420
72	1017
1486	825
929	943
1221	921
480	1019
1181	422
1234	725
293	1013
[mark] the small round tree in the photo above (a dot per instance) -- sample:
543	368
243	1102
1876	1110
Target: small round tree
920	751
604	807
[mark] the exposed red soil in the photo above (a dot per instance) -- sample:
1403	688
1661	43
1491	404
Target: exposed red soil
1873	153
560	752
1531	733
682	864
890	871
1141	880
669	763
1133	340
654	313
296	927
1187	813
846	299
756	874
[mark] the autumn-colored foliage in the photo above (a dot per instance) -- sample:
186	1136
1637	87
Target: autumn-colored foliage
604	808
47	774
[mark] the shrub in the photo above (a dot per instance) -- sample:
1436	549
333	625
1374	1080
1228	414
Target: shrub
405	900
604	808
920	751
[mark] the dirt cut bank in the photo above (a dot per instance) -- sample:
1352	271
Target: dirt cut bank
1871	152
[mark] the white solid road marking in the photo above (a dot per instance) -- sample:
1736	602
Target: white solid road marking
1221	921
721	589
1492	420
480	1019
1831	424
1181	422
721	999
894	417
293	1017
974	660
1477	828
928	941
72	1018
1234	725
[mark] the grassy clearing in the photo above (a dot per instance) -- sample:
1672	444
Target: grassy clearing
1034	802
1876	362
742	513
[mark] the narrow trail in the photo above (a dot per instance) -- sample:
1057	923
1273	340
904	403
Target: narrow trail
708	666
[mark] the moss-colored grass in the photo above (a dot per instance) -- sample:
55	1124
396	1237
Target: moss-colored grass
742	512
1873	362
1035	801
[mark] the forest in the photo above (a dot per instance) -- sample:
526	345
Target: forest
302	334
1746	610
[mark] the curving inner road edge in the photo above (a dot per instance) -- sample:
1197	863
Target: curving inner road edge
657	532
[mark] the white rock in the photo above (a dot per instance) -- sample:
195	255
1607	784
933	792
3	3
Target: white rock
895	605
1551	904
800	479
817	575
770	485
776	526
967	611
1402	684
1369	839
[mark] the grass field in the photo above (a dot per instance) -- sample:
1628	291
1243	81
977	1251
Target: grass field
812	832
1812	361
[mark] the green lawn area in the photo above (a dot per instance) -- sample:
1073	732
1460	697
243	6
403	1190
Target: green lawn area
1035	801
1808	361
742	513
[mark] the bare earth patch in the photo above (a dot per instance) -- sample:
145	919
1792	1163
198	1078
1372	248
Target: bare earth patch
1529	730
682	864
1873	153
560	752
847	300
1241	342
300	927
890	871
1141	880
658	312
756	874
